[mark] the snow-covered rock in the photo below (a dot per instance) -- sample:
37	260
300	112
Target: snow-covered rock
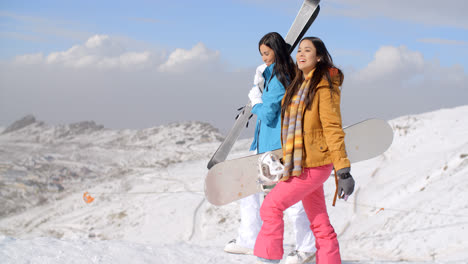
38	161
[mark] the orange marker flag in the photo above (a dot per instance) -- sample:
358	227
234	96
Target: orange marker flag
87	198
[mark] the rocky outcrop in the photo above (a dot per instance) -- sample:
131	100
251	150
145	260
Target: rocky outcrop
19	124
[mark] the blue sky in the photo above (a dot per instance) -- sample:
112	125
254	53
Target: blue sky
233	27
354	31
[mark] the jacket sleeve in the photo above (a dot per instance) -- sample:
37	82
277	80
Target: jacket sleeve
269	111
330	117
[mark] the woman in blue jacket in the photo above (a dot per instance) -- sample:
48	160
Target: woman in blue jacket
274	76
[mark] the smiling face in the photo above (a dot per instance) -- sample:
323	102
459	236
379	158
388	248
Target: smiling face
306	57
268	55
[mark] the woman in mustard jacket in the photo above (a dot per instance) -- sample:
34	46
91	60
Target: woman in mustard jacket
312	143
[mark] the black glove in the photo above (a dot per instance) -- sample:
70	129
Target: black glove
345	183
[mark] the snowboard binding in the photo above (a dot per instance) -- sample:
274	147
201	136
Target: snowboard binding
270	170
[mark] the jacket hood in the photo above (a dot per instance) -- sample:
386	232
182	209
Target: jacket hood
336	79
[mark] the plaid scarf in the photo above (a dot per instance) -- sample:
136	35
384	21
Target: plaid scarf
292	138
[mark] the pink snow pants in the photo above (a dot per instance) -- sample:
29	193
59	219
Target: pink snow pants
307	187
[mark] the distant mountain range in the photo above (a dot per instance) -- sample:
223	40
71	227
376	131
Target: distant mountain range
37	160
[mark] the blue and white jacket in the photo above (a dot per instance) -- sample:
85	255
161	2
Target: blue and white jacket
268	128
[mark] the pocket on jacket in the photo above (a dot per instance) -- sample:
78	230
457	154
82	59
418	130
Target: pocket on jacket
316	140
316	149
320	144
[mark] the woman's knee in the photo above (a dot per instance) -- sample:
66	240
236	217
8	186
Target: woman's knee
270	209
323	230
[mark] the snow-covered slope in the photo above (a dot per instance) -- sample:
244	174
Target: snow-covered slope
411	202
39	162
409	205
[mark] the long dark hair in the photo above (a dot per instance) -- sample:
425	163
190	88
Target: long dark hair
284	65
324	68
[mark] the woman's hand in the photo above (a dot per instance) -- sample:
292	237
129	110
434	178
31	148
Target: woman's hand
345	183
255	96
259	81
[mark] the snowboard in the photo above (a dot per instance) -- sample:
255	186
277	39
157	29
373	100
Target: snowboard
306	16
234	179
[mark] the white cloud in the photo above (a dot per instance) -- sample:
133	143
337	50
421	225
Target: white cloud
182	60
428	12
392	63
396	82
104	52
400	81
99	51
92	81
29	59
443	41
126	60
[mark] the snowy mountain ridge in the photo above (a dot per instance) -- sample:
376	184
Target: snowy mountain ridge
37	159
28	129
409	204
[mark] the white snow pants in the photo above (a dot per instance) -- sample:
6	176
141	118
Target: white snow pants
251	223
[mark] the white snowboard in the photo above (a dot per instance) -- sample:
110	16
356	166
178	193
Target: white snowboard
234	179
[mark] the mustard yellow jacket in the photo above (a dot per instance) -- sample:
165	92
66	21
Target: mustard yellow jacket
322	128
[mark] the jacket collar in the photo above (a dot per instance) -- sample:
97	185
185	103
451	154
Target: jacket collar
268	71
309	76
